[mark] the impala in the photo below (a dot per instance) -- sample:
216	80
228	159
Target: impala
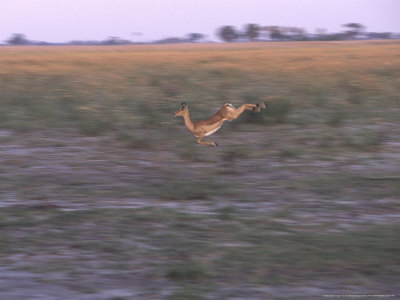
206	127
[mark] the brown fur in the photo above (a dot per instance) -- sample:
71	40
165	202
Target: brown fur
210	125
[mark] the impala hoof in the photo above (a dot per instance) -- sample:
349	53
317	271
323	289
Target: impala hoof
215	144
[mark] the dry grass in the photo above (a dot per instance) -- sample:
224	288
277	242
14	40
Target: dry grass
60	84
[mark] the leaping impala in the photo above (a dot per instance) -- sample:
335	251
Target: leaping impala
210	125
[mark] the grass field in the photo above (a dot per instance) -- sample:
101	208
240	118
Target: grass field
104	195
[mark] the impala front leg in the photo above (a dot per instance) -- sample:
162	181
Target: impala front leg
199	141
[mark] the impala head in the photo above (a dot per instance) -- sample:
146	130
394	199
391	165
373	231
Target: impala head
181	111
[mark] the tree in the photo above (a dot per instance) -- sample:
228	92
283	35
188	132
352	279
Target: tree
194	37
354	29
276	33
252	31
228	34
18	39
115	40
170	40
379	35
296	33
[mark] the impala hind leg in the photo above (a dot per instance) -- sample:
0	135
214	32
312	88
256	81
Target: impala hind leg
255	107
199	141
235	113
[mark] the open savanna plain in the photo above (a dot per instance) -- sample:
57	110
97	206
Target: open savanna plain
104	195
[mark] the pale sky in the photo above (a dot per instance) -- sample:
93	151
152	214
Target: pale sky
66	20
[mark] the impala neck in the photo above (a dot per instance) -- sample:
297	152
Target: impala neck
188	123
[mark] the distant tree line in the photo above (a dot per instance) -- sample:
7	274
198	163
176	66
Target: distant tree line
250	32
18	39
255	32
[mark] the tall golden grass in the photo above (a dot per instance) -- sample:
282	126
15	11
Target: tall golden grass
111	78
261	57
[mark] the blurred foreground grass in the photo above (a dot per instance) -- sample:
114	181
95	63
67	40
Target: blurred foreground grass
102	189
201	253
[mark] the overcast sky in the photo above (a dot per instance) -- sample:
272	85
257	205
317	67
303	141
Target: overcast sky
66	20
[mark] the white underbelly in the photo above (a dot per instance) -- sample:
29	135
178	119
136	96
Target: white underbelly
212	131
